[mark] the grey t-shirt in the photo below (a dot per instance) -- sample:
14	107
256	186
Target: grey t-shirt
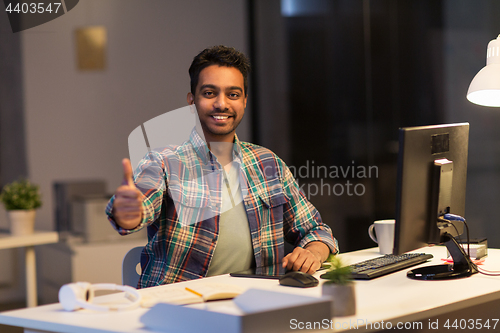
234	250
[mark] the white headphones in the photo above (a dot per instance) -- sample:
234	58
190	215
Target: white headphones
75	296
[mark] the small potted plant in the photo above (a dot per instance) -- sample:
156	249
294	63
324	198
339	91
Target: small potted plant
340	287
20	199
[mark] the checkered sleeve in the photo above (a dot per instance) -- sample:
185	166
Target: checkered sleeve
302	222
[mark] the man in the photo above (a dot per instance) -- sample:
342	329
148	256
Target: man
215	205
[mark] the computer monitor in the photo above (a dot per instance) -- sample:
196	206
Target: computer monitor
431	181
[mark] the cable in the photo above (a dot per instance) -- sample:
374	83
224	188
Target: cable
456	230
452	217
488	273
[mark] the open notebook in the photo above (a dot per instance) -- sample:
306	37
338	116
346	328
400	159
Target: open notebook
196	293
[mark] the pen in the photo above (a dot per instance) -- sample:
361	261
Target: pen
194	292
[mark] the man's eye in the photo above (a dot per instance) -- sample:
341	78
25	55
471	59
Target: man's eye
209	93
234	95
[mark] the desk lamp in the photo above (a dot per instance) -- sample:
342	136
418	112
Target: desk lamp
485	87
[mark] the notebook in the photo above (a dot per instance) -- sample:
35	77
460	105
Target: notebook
196	293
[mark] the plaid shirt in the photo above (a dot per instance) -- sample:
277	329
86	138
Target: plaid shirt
182	189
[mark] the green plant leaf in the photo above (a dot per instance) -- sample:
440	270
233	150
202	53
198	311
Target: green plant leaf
338	273
20	195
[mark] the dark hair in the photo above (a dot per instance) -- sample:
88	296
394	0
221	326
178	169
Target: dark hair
219	55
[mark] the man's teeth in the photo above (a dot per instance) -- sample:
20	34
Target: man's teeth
220	117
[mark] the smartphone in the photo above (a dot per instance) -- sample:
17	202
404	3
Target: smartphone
265	272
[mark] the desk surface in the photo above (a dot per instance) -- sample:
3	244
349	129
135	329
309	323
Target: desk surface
392	298
7	241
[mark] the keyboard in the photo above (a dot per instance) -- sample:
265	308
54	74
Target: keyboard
389	263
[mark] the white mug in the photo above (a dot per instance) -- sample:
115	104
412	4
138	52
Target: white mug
384	235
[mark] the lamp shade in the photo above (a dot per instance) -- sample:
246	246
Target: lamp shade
485	87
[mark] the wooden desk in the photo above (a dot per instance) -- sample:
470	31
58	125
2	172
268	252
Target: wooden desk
390	299
29	242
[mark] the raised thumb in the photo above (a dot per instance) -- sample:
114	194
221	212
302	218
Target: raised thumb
127	172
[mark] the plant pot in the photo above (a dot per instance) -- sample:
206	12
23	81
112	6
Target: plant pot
22	222
343	298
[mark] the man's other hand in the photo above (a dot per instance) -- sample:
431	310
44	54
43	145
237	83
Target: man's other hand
127	207
308	259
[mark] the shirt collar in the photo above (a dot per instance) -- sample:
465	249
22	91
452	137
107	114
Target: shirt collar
201	148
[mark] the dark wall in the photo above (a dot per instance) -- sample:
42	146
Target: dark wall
12	140
358	72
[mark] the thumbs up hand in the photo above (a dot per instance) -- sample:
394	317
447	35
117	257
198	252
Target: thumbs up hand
127	207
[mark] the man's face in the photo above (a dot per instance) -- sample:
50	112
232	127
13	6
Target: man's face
220	101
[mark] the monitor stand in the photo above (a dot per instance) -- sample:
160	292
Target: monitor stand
462	265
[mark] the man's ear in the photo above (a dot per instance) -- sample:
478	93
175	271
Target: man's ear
190	98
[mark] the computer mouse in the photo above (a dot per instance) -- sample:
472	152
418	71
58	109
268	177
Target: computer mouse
298	279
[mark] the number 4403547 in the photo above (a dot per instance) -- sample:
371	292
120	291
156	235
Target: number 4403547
33	8
471	324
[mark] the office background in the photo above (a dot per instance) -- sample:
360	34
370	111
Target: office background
333	80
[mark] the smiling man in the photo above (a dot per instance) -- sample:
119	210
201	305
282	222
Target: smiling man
214	204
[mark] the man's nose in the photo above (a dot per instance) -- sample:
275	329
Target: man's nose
220	102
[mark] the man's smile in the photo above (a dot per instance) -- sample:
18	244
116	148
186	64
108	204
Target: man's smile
221	118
